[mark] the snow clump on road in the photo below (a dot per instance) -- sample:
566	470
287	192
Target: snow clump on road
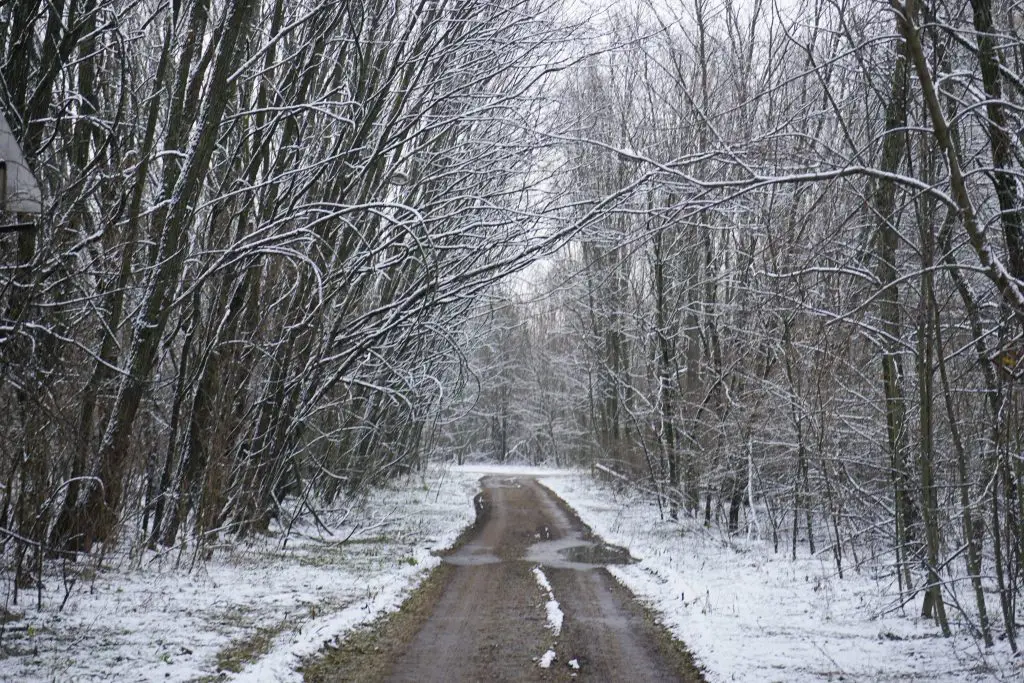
554	610
546	659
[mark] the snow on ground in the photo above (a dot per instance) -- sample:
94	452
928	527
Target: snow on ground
749	614
482	469
745	612
160	622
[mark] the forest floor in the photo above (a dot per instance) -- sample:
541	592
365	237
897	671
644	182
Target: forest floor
519	598
249	612
526	598
751	613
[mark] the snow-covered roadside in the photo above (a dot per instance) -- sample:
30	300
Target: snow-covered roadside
482	469
748	614
161	623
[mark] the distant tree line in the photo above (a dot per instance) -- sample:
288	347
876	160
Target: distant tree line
799	291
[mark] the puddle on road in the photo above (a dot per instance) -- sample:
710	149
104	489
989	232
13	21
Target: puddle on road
572	552
569	552
598	553
471	555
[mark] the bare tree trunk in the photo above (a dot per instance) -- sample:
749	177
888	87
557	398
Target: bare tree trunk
887	242
933	605
973	529
1004	173
666	375
103	502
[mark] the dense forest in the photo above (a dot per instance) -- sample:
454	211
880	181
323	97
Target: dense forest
764	261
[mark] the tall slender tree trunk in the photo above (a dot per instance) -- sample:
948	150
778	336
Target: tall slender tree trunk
933	605
103	502
667	381
973	529
887	240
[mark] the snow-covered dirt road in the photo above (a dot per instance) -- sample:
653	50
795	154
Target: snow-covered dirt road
525	598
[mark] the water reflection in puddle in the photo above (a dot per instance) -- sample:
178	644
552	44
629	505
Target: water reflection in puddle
572	552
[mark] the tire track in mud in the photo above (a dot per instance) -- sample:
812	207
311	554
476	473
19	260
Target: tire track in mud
484	616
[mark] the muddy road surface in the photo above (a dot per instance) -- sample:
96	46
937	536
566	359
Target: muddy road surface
484	615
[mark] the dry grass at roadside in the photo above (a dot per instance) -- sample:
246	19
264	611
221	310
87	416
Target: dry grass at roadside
249	613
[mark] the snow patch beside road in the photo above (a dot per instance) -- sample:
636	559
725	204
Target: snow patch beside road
481	469
151	619
749	614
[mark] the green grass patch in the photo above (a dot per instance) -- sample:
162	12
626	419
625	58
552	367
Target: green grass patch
249	648
368	540
367	653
